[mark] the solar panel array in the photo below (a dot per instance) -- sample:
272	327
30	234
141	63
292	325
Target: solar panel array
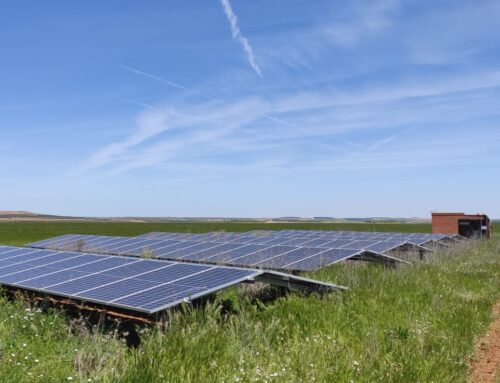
90	268
141	285
197	249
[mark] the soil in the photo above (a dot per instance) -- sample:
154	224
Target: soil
485	366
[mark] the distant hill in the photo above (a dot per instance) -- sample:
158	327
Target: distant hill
18	215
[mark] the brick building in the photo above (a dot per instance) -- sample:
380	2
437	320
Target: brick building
467	225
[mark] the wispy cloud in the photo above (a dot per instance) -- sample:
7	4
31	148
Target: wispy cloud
200	94
9	76
191	129
386	140
235	29
369	19
241	132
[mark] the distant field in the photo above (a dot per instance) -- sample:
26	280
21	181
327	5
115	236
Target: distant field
19	233
416	323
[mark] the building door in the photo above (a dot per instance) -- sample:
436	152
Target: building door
469	228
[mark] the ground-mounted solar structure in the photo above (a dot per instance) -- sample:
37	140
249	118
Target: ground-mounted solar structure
205	249
139	285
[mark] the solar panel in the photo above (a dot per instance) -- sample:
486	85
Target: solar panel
141	285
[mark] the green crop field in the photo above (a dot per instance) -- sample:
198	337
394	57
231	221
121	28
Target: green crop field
415	323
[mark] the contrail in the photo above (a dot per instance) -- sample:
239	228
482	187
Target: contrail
170	83
154	77
233	21
136	102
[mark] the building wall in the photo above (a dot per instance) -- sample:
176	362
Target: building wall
445	224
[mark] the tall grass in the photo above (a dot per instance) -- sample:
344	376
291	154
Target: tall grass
415	323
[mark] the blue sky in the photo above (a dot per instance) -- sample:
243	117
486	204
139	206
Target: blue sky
250	108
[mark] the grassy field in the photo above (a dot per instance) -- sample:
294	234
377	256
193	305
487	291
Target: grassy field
19	233
417	323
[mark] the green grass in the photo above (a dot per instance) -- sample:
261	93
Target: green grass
19	233
412	324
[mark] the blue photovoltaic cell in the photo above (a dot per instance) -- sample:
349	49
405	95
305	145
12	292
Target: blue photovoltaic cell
191	250
116	290
171	249
81	284
124	248
278	241
290	257
7	249
241	239
155	248
105	243
52	258
338	243
213	252
175	272
19	252
107	263
323	259
256	241
140	247
14	268
97	244
316	242
237	253
64	242
123	244
130	270
214	277
49	241
158	296
55	277
359	245
23	258
5	263
296	241
29	272
80	260
264	254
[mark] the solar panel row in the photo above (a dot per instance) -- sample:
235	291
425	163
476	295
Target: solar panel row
417	238
181	242
141	285
317	238
279	257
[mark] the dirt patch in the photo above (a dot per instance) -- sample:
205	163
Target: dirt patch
486	364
